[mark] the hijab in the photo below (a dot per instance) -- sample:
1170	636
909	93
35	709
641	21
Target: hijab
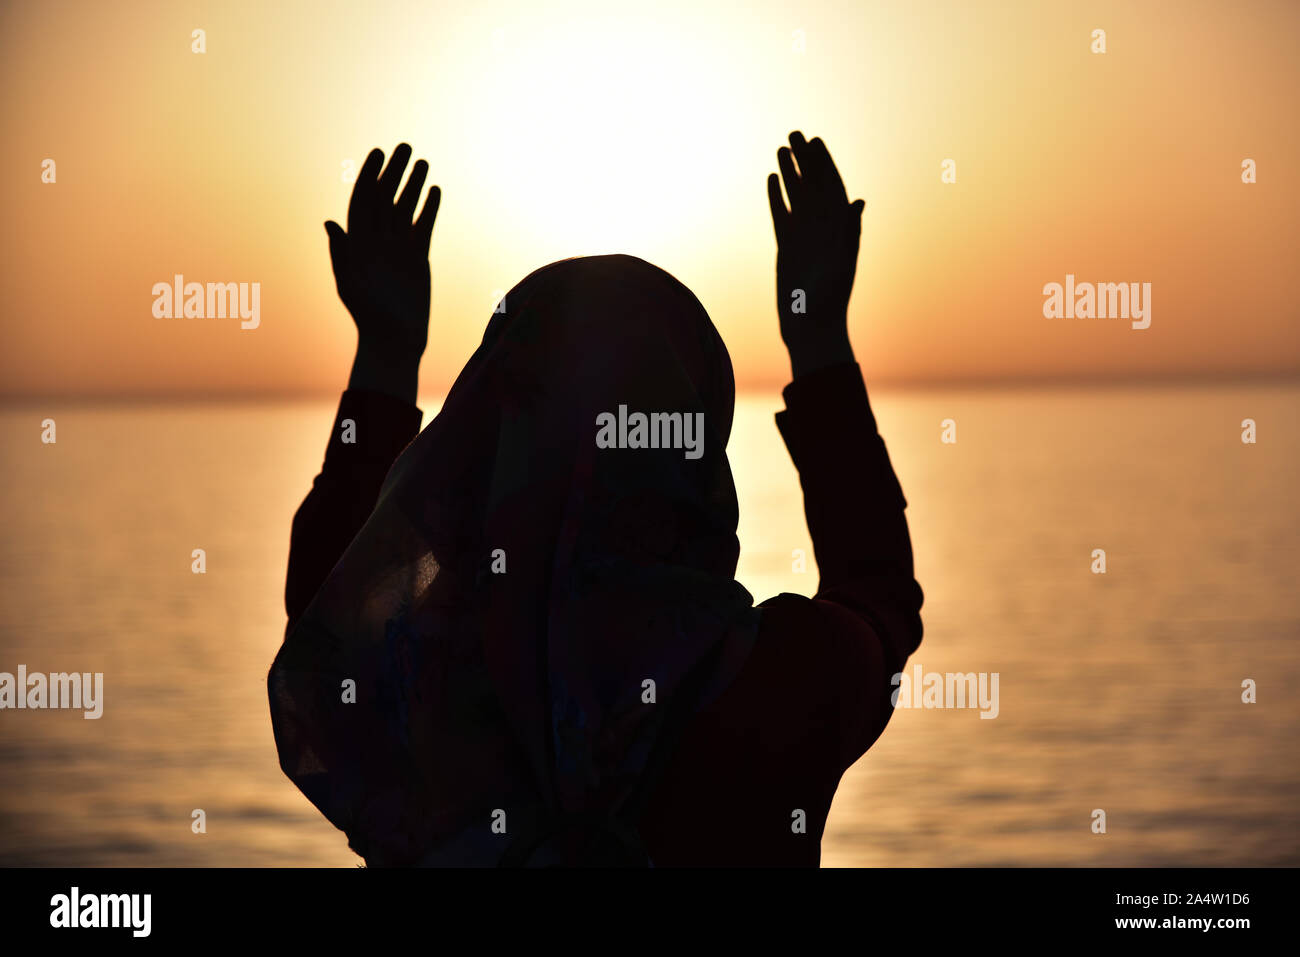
545	581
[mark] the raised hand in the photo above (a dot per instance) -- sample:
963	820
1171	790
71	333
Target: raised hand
381	268
817	251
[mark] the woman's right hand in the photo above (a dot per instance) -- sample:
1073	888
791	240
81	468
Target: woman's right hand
817	252
381	264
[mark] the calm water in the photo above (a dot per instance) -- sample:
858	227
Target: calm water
1119	692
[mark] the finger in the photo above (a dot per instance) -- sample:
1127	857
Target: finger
812	167
793	185
338	244
780	215
828	176
800	146
423	228
393	174
809	171
410	197
360	216
858	206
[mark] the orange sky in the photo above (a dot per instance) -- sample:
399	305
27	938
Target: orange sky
590	131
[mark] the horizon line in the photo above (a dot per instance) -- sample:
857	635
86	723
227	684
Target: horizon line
920	383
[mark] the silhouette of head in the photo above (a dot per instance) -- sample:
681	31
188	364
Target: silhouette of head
523	577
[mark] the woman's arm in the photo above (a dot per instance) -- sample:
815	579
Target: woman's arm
381	269
855	511
852	499
344	493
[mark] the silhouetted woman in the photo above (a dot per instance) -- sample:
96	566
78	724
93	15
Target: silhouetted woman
516	638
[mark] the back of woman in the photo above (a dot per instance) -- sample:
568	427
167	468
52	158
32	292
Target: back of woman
522	641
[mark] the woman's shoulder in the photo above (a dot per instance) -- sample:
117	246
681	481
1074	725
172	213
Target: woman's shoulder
814	627
811	662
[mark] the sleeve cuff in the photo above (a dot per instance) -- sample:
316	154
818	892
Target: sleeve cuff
823	410
834	395
380	426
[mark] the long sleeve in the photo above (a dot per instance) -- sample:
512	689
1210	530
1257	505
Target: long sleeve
868	597
344	493
815	692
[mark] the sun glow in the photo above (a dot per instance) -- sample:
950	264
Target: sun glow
582	127
594	133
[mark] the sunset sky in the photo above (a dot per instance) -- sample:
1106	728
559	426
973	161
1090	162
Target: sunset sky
649	129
